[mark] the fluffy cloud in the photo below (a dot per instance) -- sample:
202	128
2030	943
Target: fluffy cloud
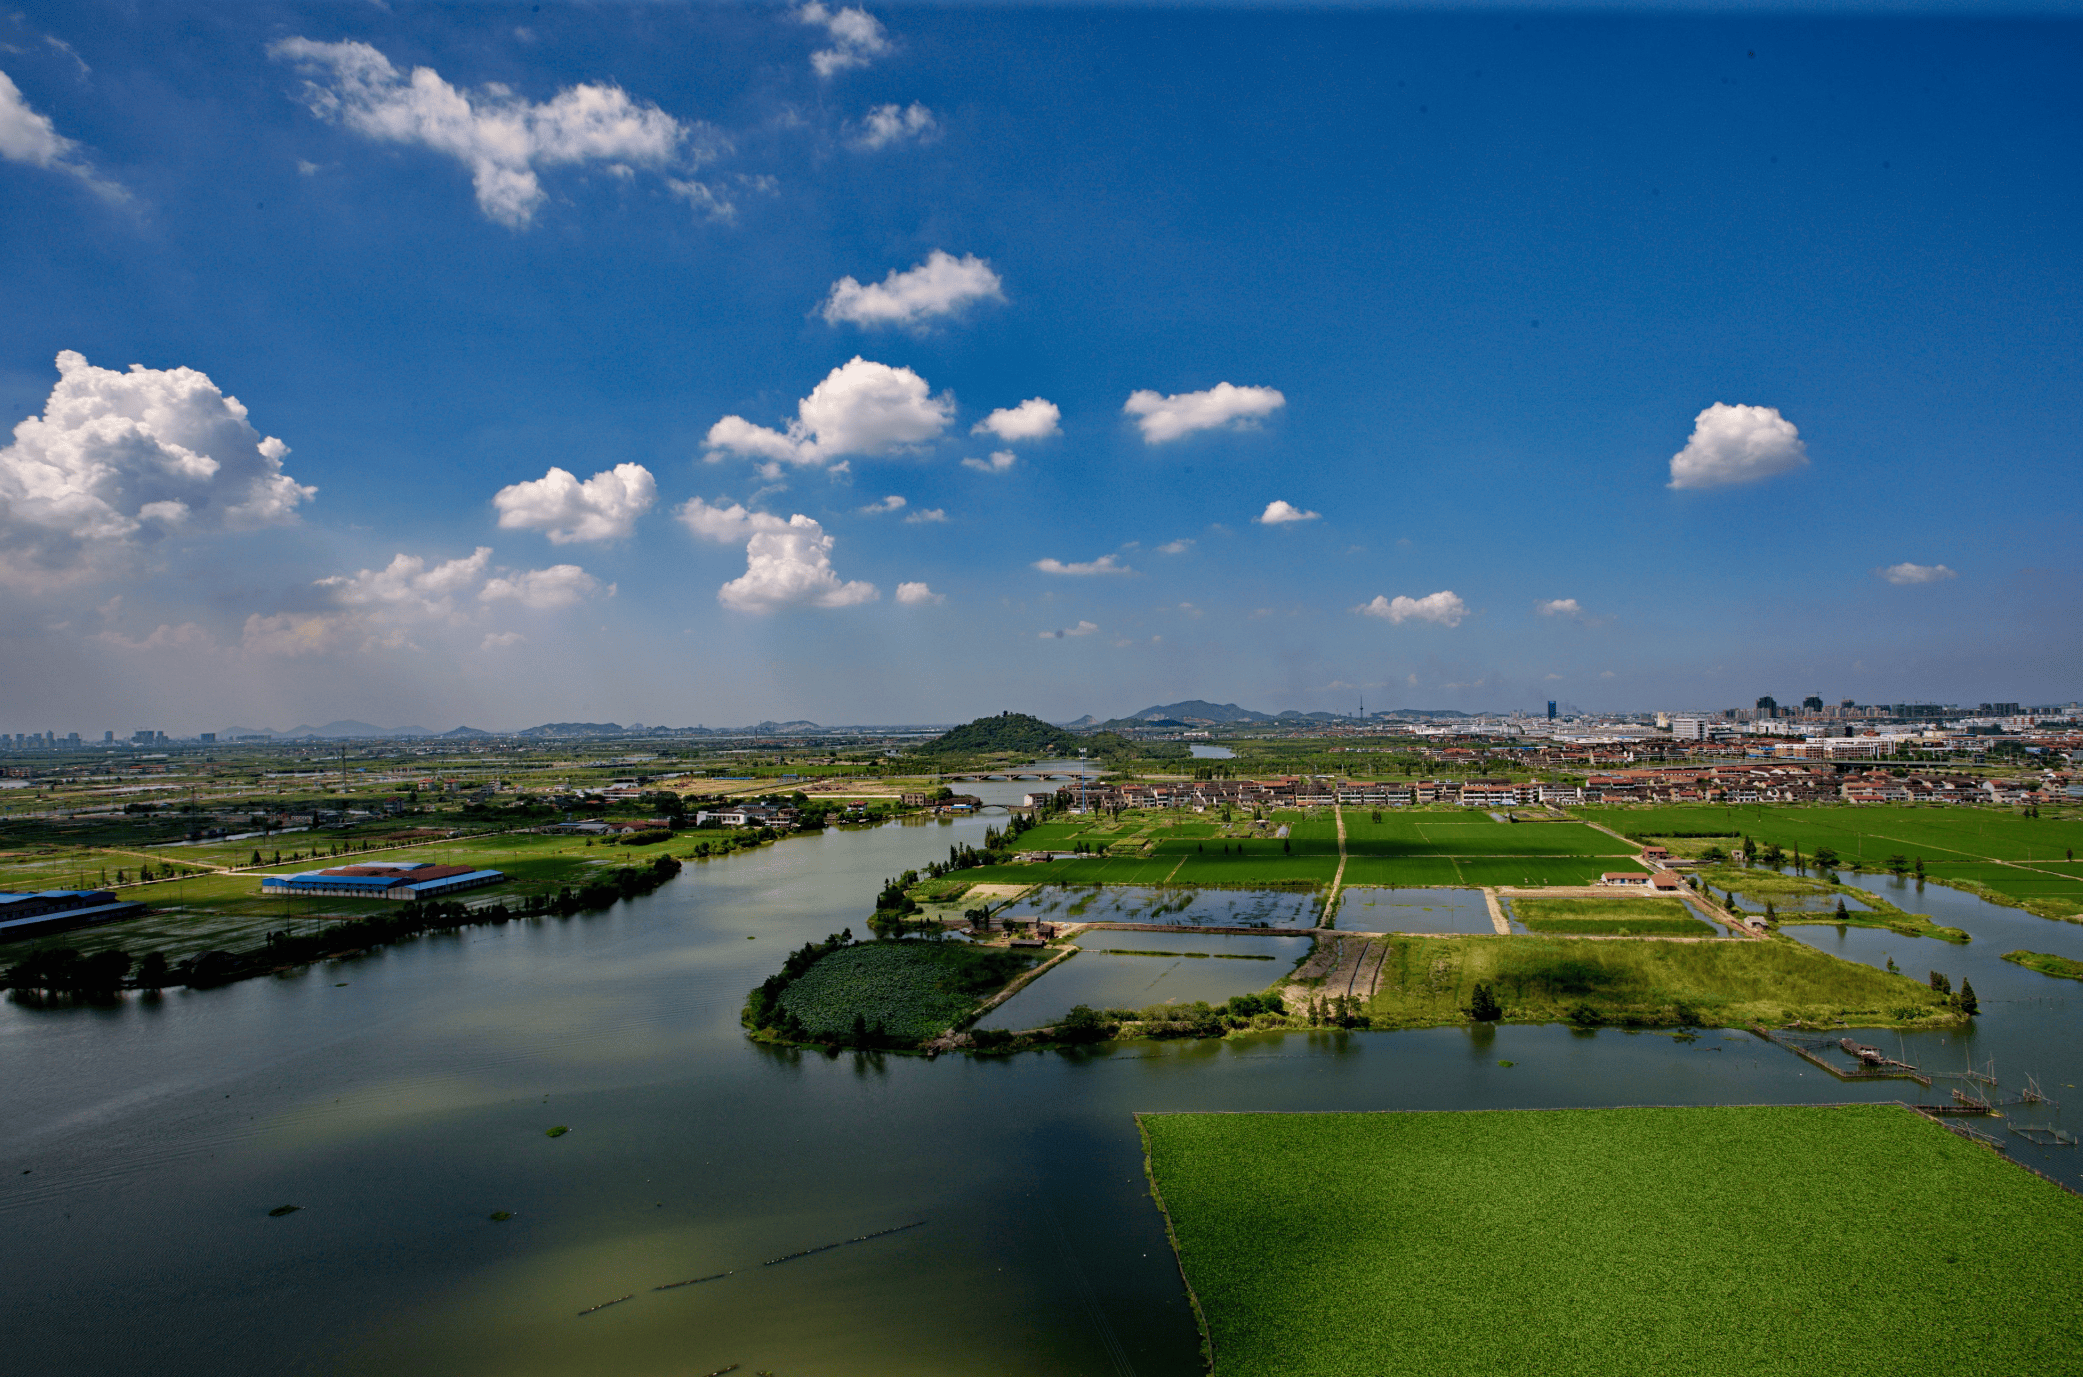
884	125
1033	419
502	138
604	507
858	37
1737	444
791	567
545	590
725	525
1167	418
1904	574
941	286
918	595
118	460
1105	564
860	408
926	516
407	583
1081	629
787	563
29	137
1175	547
999	462
383	609
1279	513
892	503
1560	607
1442	607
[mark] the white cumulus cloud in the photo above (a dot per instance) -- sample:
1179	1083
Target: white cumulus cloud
791	567
407	583
1560	607
725	525
544	590
857	37
999	462
1168	418
604	507
884	125
1105	564
1034	419
1442	607
1904	574
118	460
892	503
1081	629
926	516
941	286
859	408
27	136
1280	513
1175	547
504	139
1737	444
918	595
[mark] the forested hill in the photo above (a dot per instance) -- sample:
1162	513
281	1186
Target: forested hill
1017	733
1009	731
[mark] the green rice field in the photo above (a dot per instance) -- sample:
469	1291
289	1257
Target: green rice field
1428	981
1638	917
911	989
1800	1241
2025	859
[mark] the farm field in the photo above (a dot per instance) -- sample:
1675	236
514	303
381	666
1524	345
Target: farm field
911	990
1639	917
1856	1241
1428	981
1957	843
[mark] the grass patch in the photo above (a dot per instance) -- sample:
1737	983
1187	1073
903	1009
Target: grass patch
1626	917
910	990
1859	1240
2045	964
1429	981
1759	886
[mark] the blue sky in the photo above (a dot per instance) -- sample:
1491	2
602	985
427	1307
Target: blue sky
1650	360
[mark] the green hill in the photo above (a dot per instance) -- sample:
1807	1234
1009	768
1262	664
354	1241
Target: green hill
1016	733
1008	731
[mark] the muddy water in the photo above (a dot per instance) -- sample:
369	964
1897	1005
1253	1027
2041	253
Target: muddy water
401	1099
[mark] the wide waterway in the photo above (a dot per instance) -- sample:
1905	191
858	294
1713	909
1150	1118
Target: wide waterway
401	1098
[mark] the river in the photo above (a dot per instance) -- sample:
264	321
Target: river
401	1098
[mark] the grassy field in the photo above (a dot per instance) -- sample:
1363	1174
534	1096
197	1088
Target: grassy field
1838	1241
1427	981
1956	844
2047	965
911	990
228	912
1639	917
1755	887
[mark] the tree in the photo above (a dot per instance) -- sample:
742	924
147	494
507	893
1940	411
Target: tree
1082	1024
1824	858
1483	1006
1965	1001
1897	863
1941	983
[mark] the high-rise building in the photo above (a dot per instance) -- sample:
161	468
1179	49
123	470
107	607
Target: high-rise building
1812	703
108	736
1768	706
1689	728
1551	709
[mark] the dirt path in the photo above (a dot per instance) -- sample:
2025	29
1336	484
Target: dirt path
1338	880
1497	918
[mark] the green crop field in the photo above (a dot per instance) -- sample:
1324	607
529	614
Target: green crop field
911	989
1957	843
1428	981
2047	965
1639	917
1799	1241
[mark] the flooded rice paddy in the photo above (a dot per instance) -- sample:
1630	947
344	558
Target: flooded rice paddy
1214	908
1414	910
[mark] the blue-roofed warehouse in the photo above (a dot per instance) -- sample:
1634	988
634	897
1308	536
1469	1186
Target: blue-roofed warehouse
403	880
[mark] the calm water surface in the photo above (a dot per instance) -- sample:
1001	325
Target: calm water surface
402	1097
